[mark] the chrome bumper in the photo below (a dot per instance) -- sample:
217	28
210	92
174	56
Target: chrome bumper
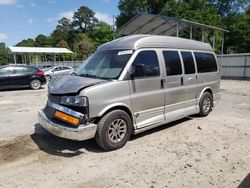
83	132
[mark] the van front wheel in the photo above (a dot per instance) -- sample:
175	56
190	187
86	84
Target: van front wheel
114	130
205	104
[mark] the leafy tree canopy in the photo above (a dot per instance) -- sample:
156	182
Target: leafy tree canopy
84	19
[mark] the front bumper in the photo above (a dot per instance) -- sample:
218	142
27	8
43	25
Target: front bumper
83	132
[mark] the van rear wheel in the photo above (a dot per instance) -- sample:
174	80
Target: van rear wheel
114	130
205	104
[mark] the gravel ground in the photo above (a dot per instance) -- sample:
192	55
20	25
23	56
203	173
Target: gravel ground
194	152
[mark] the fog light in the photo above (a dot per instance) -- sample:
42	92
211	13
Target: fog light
67	118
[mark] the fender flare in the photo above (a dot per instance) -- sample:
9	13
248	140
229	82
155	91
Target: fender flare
117	106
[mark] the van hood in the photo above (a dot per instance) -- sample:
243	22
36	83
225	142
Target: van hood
71	84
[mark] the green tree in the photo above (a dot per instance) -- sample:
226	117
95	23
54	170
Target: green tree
3	54
42	41
26	43
64	24
84	19
187	9
102	33
238	39
62	44
83	46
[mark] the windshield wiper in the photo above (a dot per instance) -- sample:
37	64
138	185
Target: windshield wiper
88	75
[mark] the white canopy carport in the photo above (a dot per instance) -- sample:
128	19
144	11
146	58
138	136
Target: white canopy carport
36	51
39	50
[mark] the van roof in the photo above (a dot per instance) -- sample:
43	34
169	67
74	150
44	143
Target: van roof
155	41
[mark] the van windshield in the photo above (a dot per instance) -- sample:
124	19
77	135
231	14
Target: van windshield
106	64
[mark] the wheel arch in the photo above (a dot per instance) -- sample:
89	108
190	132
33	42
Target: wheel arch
209	90
118	106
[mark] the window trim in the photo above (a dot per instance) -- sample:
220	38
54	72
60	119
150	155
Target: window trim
182	65
133	59
208	52
194	60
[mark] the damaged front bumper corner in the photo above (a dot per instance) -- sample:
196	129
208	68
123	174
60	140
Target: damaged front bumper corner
83	132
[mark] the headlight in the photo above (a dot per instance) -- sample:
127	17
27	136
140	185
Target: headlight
74	101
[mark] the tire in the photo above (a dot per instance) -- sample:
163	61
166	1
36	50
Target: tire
113	130
205	104
48	78
35	84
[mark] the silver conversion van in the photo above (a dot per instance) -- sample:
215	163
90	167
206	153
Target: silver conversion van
130	85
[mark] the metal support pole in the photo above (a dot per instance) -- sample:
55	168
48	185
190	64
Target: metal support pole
213	40
25	59
22	59
14	55
36	59
177	29
245	67
203	35
54	59
222	43
222	46
191	32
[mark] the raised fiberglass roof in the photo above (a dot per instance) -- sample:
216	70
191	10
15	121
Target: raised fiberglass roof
155	41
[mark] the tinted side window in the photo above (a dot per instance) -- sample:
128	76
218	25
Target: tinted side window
172	62
188	62
57	69
20	70
5	71
65	68
32	70
205	62
148	60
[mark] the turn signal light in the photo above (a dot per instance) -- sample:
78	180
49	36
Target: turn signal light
67	118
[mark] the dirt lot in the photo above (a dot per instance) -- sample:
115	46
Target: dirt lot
195	152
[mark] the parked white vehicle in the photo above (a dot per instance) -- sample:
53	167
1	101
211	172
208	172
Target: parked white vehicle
57	71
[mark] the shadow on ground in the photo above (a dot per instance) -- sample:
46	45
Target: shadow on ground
245	183
68	148
160	128
21	89
62	147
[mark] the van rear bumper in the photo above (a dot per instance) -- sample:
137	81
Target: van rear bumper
216	99
83	132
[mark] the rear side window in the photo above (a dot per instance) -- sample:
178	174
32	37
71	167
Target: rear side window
5	71
205	62
172	62
65	68
57	69
149	60
188	62
20	70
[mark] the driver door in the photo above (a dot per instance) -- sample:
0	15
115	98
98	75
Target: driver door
147	89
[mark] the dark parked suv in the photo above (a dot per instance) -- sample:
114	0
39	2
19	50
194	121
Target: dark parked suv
21	76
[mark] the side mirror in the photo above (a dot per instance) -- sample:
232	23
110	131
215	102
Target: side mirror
138	71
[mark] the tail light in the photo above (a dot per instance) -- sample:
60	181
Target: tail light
40	73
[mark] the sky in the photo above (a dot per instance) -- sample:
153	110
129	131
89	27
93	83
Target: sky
22	19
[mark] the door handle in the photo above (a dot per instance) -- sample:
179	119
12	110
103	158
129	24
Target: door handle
162	83
182	81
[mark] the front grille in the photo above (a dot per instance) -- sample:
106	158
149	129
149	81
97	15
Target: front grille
54	99
50	112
